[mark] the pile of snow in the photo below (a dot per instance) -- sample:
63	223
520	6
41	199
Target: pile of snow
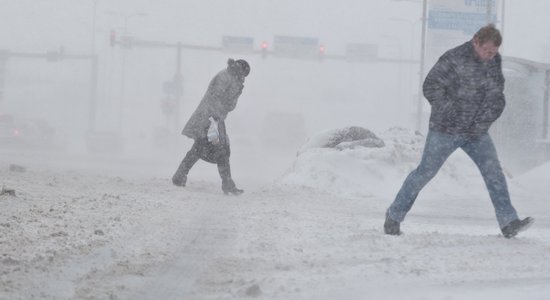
332	163
342	138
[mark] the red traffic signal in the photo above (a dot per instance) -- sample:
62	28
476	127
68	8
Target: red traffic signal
264	46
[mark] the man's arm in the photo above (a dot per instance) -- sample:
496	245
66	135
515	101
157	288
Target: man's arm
439	79
495	101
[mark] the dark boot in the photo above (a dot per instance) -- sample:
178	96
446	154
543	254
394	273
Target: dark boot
391	227
516	226
228	185
233	191
179	180
180	177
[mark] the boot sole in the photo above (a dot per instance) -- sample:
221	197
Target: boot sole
523	227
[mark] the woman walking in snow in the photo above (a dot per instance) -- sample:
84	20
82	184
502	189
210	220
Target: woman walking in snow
207	125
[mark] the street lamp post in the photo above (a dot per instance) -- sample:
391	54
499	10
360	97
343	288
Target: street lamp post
420	100
412	25
420	104
489	11
94	13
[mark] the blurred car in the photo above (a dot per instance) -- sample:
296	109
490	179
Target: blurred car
16	131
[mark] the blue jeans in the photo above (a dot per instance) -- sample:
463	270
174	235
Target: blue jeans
439	146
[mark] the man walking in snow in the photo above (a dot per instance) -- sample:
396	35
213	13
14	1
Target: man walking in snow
207	125
465	90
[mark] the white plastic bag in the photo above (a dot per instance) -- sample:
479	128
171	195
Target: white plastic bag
213	133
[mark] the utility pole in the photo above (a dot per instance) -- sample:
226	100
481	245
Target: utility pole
93	92
178	82
546	106
489	11
420	100
94	13
503	3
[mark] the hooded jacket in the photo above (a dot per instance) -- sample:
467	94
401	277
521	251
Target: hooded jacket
466	94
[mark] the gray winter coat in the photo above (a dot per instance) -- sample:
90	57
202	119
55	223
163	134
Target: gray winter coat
220	98
465	93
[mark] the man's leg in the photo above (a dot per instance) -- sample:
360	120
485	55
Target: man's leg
192	156
436	151
482	151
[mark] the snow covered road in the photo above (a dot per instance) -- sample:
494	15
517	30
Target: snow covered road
79	235
106	228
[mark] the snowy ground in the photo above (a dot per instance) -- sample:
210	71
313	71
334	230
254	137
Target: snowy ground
311	228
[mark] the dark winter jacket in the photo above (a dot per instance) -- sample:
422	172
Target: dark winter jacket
220	98
465	93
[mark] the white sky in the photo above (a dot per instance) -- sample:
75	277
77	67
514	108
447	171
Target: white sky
40	24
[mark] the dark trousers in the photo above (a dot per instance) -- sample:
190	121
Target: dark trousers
218	154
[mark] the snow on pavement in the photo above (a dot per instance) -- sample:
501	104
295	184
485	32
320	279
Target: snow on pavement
76	234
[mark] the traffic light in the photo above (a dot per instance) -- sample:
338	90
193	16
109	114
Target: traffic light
264	46
322	52
113	38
